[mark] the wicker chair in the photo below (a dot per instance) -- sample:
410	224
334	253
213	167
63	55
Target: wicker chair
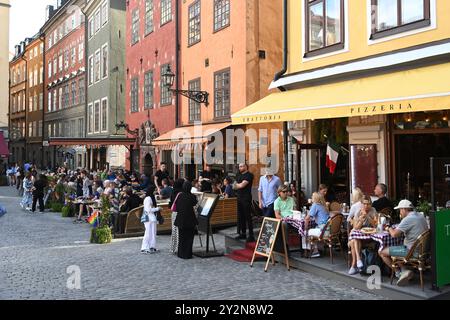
133	224
333	238
420	261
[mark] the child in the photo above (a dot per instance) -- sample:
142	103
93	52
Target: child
27	198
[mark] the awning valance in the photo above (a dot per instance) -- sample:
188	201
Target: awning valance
420	89
188	136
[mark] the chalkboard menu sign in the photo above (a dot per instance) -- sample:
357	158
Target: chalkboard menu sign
271	239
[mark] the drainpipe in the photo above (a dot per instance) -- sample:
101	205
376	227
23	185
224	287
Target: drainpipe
177	68
278	75
44	98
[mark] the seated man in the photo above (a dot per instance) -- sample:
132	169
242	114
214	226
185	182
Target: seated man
412	226
166	190
382	202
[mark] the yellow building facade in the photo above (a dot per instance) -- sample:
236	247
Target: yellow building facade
4	62
374	75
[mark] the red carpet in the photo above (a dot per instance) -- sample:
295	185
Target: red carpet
245	255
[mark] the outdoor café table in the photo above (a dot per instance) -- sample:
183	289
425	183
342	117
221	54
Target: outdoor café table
298	224
383	238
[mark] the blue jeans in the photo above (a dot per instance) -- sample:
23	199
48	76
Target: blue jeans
268	211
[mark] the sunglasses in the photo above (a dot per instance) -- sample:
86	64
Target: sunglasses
283	191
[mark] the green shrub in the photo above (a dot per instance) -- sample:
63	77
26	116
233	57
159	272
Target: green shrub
101	235
56	207
67	212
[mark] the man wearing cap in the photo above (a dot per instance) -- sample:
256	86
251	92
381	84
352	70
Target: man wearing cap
268	193
412	226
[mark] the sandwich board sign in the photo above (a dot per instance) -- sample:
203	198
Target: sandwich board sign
440	248
270	241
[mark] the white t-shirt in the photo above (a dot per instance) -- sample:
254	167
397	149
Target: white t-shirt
355	208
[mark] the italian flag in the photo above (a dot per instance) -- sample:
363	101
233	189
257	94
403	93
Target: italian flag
332	156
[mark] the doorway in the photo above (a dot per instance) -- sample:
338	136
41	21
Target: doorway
148	165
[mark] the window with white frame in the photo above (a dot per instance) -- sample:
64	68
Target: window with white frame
80	51
82	91
97	116
104	112
36	103
60	98
91	26
30	104
41	73
194	107
90	118
91	70
222	94
55	66
80	127
104	13
41	101
97	66
148	16
73	58
66	59
105	61
60	61
36	75
98	22
73	91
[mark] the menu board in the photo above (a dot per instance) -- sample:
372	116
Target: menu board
271	239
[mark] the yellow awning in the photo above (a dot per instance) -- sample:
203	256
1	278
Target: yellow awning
189	135
421	89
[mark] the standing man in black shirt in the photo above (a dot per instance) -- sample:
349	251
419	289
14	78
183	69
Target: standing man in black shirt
243	187
382	202
161	174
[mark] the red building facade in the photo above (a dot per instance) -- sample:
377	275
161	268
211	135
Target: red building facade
151	43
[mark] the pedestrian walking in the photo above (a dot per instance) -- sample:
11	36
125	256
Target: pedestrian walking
186	221
150	221
38	193
27	198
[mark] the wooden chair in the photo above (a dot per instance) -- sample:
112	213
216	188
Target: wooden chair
133	223
418	261
332	238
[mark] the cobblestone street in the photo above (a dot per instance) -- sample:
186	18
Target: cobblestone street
36	250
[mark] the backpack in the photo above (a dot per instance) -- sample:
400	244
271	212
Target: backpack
2	210
370	258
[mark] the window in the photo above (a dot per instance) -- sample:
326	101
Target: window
39	133
81	51
72	128
91	118
390	17
104	61
97	66
73	58
49	106
148	16
91	27
97	116
36	103
49	130
148	90
98	22
80	128
194	107
60	98
50	41
66	59
36	75
135	27
104	13
60	62
73	93
222	94
104	125
134	95
55	99
30	129
221	14
30	104
166	11
30	80
324	26
41	101
41	72
194	23
166	94
55	66
82	92
91	70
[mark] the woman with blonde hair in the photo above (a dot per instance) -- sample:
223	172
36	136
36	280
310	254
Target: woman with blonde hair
319	213
357	197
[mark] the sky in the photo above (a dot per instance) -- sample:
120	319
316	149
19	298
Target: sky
27	17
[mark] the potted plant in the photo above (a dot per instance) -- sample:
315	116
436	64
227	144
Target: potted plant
101	233
424	206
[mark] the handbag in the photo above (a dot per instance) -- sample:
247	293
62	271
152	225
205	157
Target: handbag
159	217
145	218
174	204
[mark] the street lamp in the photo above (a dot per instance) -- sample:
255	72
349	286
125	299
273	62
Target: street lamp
168	79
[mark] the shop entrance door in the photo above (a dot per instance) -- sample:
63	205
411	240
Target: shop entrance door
412	163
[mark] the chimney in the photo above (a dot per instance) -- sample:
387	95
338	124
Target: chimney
22	47
49	12
17	51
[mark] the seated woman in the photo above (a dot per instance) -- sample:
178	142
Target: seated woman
357	205
320	215
367	217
